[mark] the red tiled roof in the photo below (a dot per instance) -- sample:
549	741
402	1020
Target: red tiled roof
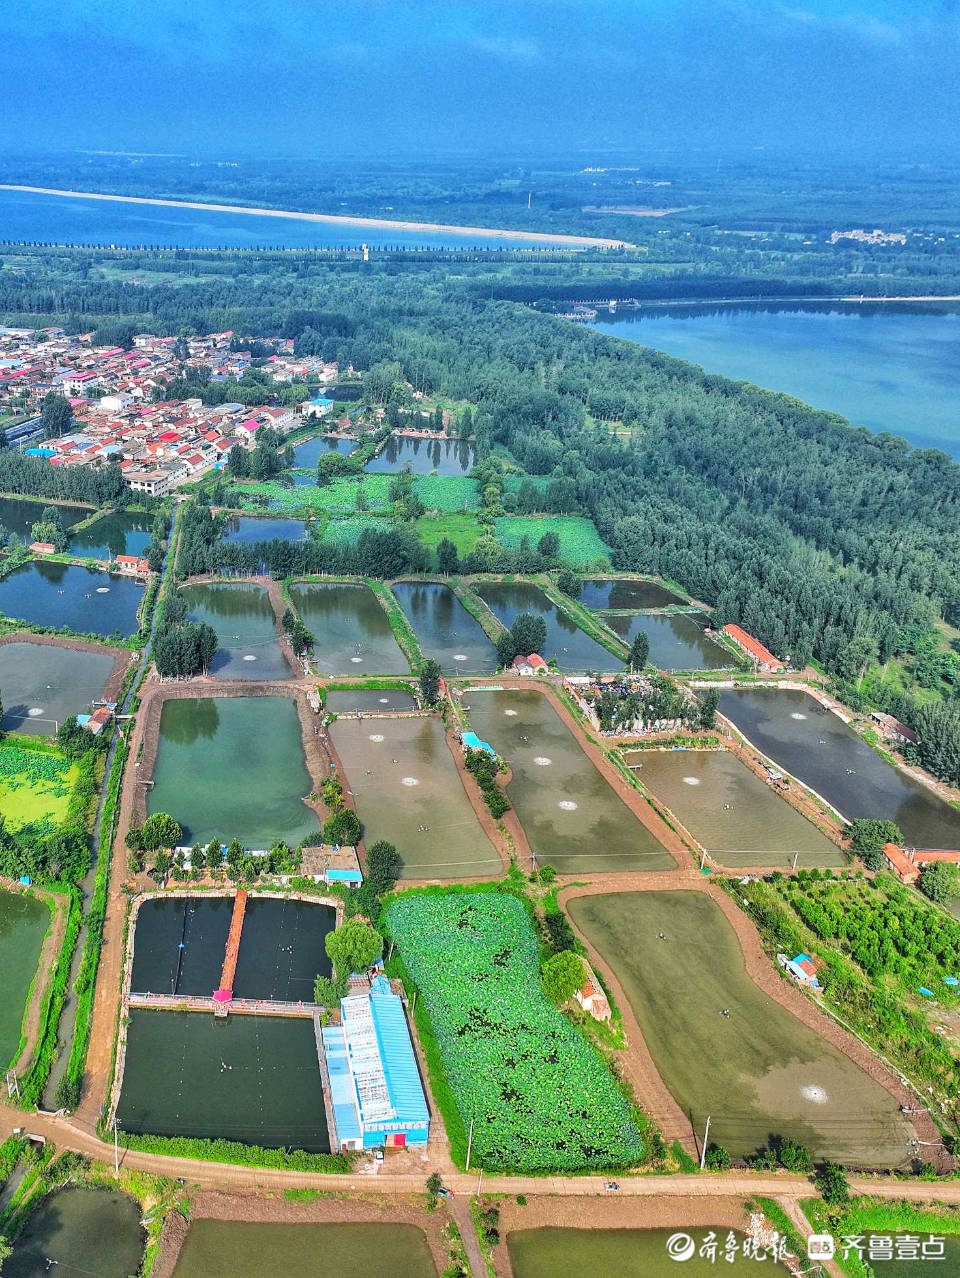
753	646
904	867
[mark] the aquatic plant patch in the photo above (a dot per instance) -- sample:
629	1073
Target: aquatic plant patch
35	788
540	1097
580	543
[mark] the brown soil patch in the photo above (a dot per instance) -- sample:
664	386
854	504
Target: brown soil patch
46	965
273	1208
122	657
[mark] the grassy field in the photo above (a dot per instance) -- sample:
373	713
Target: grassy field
580	542
35	787
864	1217
463	530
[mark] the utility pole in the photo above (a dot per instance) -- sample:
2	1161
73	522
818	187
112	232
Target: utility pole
469	1144
479	1182
796	858
703	1147
116	1152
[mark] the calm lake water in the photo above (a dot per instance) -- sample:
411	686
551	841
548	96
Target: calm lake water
677	642
87	601
254	1079
230	1249
123	532
311	450
233	767
566	643
407	790
23	924
18	515
448	634
370	700
282	949
888	367
59	220
80	1230
249	530
818	748
775	1075
445	456
607	593
729	810
242	616
351	632
621	1253
570	815
179	945
42	684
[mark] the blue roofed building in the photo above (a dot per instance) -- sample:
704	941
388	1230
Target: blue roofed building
375	1089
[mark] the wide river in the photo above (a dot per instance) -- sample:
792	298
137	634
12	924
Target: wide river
889	367
56	219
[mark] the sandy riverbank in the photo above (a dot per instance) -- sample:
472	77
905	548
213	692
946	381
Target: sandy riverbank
545	237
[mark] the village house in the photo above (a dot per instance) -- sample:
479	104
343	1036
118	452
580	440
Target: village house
761	657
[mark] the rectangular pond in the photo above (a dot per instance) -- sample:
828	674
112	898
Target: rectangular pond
250	529
242	615
254	1079
83	599
729	810
566	643
80	1221
309	452
234	767
237	1249
23	925
351	631
19	514
447	633
370	700
677	641
445	456
757	1070
570	815
816	746
282	949
179	945
624	1253
407	790
122	532
627	593
43	684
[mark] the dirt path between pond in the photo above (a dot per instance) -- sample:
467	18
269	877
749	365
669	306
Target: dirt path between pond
511	839
123	658
46	966
762	972
272	1208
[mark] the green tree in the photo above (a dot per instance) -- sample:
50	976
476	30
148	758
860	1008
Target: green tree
430	683
353	947
940	881
198	857
160	831
342	829
708	708
832	1185
49	528
639	651
384	864
549	545
868	837
506	648
562	975
56	415
448	560
570	582
529	633
718	1158
794	1156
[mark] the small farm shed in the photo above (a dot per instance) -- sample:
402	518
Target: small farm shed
375	1084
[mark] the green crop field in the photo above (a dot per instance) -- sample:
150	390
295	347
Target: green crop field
540	1096
437	492
462	530
580	542
35	788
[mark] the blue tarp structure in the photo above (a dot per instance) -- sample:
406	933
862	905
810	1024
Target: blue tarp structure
925	992
471	740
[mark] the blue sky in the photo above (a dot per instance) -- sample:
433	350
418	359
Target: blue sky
441	76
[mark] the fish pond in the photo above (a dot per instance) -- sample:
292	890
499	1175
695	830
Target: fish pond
235	1249
234	767
18	515
570	815
80	1230
445	456
122	532
683	972
249	529
351	631
242	615
816	746
729	810
407	790
23	925
370	700
43	684
631	594
677	641
566	644
82	599
308	453
447	633
627	1253
254	1079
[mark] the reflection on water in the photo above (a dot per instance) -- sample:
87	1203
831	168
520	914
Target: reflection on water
350	629
566	643
445	456
447	633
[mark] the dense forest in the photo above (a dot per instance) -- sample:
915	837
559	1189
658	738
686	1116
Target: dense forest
823	540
